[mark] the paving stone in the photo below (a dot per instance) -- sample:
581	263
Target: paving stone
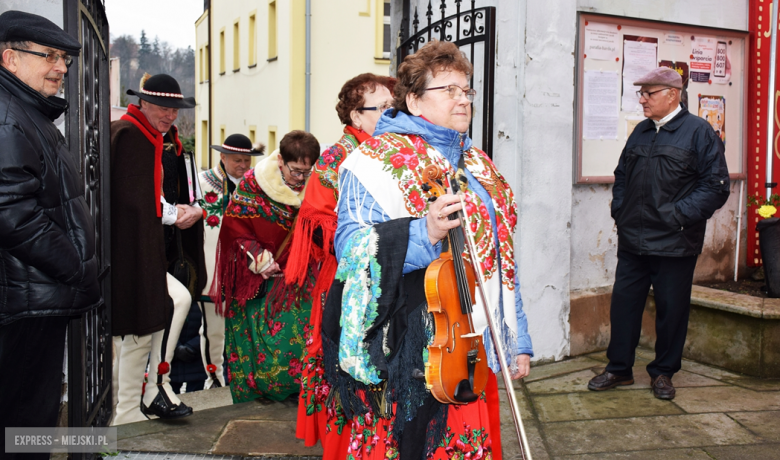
726	399
509	441
208	399
560	368
567	383
644	433
708	371
599	405
666	454
642	356
763	424
755	383
262	437
759	452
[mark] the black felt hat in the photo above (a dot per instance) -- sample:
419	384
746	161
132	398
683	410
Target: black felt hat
238	143
162	90
19	26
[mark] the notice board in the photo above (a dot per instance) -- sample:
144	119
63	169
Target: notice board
613	52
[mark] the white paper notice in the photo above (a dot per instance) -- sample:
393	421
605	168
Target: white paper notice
639	58
703	58
600	96
601	41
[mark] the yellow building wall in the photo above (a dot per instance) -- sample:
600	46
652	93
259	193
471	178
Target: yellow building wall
270	95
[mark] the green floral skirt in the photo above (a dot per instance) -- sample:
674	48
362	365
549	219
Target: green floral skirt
264	355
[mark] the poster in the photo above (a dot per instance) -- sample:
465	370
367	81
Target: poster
600	105
631	123
713	109
721	72
682	69
702	59
639	58
601	41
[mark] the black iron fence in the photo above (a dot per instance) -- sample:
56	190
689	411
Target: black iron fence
87	135
474	31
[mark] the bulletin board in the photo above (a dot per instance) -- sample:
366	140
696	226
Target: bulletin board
613	52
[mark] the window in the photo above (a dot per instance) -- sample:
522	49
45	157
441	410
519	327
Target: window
386	41
236	48
272	51
207	60
252	54
204	143
222	52
252	133
201	71
271	139
222	134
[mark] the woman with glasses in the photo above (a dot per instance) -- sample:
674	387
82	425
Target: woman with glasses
376	328
265	319
362	100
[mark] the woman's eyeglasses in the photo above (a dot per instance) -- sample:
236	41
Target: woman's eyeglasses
298	174
456	91
381	107
51	58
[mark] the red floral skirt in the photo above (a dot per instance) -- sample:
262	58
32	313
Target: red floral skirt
473	431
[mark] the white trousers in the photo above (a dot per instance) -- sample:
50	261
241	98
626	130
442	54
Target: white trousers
212	333
133	353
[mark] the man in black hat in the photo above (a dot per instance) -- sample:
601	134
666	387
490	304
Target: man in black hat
218	184
155	233
48	268
671	178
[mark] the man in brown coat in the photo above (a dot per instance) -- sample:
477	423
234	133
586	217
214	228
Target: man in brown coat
154	212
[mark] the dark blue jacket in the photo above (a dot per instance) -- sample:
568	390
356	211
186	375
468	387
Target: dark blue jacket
667	184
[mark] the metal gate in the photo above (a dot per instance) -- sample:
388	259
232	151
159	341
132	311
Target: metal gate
474	31
87	135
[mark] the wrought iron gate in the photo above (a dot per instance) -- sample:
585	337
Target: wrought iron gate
473	29
87	135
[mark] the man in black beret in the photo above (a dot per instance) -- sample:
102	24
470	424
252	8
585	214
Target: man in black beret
48	268
156	223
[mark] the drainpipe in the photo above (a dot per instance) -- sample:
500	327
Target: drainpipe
211	92
308	65
770	151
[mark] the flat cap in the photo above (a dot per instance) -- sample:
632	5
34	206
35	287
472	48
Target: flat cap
19	26
663	76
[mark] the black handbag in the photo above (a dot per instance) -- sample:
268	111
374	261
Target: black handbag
183	269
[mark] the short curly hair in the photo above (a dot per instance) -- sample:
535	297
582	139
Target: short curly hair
299	146
419	68
351	94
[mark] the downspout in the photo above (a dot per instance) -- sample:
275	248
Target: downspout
308	66
770	151
211	105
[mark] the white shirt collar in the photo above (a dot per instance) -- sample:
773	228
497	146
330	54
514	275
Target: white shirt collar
235	180
666	119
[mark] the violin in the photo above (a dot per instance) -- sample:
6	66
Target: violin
457	370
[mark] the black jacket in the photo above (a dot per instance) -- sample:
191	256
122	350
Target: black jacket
47	240
667	184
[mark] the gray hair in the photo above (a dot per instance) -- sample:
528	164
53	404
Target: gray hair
8	45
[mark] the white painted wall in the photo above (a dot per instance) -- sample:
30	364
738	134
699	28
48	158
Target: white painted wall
567	239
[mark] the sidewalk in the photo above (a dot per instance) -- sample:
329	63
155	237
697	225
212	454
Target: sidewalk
716	415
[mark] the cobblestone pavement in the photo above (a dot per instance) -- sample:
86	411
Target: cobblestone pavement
716	415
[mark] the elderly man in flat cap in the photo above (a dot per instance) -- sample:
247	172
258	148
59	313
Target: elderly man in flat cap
156	247
48	268
671	178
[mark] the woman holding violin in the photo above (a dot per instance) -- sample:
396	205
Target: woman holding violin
409	199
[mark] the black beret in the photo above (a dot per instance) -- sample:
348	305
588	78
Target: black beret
18	26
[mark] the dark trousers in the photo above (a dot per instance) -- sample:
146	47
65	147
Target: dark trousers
671	278
31	356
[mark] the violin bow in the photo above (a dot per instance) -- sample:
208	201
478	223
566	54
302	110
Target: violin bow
497	341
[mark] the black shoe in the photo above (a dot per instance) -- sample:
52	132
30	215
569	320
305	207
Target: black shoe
663	388
606	380
164	408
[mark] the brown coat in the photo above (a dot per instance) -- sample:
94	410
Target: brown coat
140	304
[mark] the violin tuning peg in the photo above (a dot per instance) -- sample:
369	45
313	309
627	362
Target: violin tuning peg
463	179
431	199
426	187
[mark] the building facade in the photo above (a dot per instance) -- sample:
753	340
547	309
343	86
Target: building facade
251	66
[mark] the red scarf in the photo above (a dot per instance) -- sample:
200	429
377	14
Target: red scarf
136	117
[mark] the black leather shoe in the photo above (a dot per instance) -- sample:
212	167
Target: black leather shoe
164	408
606	380
663	388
